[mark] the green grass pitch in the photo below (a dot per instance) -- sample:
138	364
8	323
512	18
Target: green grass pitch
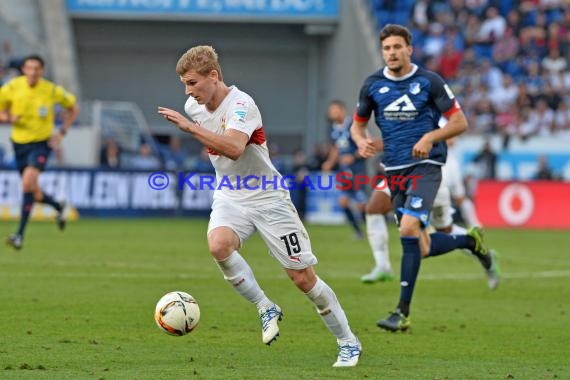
80	305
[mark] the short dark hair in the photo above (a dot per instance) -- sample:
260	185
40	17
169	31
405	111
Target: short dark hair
396	30
34	57
337	102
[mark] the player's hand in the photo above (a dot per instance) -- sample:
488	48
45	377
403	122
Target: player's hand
6	117
378	143
366	148
422	148
55	140
326	166
177	119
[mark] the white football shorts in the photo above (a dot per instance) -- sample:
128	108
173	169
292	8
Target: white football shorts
278	224
383	187
452	178
442	211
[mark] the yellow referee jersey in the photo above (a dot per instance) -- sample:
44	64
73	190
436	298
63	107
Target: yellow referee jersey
34	106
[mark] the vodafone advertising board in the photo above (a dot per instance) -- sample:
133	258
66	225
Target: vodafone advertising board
537	204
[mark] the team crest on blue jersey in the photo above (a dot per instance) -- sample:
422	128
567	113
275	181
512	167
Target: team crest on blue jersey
415	88
384	90
416	202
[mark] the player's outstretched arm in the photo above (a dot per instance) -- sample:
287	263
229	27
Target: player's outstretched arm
231	144
331	160
456	125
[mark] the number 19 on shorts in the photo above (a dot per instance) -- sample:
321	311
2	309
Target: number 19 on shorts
291	243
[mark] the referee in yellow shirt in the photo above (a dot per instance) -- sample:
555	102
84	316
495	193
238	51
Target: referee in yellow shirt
27	102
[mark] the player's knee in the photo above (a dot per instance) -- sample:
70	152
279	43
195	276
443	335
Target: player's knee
372	208
409	231
29	184
304	279
30	179
221	246
379	204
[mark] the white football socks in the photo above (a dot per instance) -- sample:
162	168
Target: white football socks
330	310
458	230
378	239
468	213
239	274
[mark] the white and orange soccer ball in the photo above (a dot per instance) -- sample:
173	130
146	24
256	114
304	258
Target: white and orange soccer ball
177	313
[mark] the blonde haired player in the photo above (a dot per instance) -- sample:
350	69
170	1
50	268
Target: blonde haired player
228	122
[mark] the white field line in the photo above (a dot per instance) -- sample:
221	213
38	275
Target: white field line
182	276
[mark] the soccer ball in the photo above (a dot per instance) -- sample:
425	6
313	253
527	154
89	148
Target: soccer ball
177	313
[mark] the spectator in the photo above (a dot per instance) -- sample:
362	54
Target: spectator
145	160
421	14
561	82
556	36
483	119
487	161
434	42
489	74
110	155
471	31
203	163
506	49
514	22
554	64
544	172
450	61
493	26
506	123
550	96
476	7
535	82
524	99
525	128
174	155
505	94
276	158
562	121
542	118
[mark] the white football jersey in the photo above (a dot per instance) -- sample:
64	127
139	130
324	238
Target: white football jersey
252	176
451	174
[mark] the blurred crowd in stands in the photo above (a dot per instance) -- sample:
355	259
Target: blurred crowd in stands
507	60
